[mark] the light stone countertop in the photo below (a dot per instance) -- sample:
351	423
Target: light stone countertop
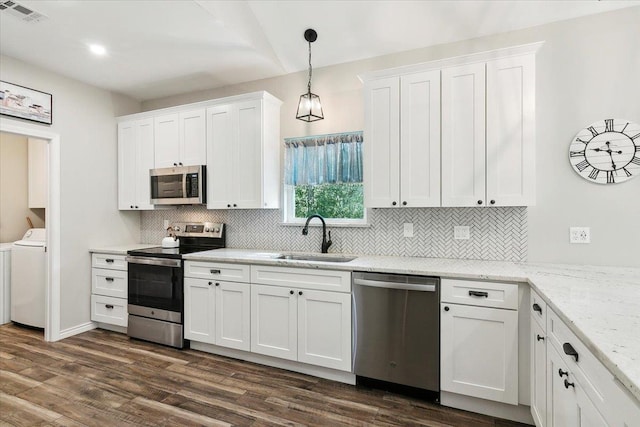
5	246
122	249
601	305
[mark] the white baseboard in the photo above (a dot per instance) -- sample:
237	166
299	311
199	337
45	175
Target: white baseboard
303	368
519	413
112	328
75	330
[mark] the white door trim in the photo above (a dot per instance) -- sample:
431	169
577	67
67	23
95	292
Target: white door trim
52	220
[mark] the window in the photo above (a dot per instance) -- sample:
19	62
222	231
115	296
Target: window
323	175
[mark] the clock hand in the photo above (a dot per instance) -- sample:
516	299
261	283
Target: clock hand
612	162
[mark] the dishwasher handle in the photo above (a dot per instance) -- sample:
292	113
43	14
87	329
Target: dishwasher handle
393	285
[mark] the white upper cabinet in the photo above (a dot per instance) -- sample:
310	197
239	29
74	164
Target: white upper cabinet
488	133
135	158
402	134
243	154
180	139
463	135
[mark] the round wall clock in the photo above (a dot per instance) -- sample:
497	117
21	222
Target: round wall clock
607	151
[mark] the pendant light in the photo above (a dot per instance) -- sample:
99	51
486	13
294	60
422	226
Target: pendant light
309	107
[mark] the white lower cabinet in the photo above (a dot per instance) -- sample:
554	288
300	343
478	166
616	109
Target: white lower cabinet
538	344
109	289
479	352
217	312
305	325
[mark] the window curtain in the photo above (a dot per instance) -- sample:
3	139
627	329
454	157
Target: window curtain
323	159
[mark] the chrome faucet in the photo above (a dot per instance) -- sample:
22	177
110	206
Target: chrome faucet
325	243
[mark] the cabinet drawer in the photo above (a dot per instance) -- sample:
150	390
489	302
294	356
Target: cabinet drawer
112	283
112	262
482	294
109	310
217	271
538	309
595	379
305	278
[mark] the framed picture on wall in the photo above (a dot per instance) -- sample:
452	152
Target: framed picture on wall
25	103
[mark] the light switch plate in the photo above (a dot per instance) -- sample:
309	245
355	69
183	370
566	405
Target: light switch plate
580	235
166	224
408	229
461	232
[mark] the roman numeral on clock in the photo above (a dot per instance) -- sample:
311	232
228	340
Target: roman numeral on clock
576	153
636	136
594	132
636	161
580	140
608	125
594	173
610	178
626	172
582	165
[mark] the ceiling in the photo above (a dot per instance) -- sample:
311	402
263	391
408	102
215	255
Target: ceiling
158	48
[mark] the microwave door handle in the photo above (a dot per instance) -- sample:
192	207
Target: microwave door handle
184	185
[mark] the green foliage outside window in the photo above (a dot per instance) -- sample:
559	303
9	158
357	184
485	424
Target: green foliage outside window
344	200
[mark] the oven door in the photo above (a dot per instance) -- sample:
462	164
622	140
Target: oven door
156	283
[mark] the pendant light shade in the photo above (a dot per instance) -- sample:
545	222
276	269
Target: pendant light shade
309	107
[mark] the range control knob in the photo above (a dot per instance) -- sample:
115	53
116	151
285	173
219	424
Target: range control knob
206	229
176	228
217	230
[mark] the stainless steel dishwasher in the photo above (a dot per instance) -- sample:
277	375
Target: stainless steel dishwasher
396	329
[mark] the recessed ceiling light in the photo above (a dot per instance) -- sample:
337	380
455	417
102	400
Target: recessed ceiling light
97	49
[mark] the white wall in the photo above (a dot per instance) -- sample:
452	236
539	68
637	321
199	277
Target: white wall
84	117
587	70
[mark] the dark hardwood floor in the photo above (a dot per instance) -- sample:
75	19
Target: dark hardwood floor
100	378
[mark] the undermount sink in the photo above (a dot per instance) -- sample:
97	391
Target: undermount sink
320	258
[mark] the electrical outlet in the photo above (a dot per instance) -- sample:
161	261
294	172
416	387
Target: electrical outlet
166	224
579	235
461	232
408	229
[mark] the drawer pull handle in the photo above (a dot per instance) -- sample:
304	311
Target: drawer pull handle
109	306
479	294
109	279
539	338
537	308
109	260
567	384
215	271
562	373
569	350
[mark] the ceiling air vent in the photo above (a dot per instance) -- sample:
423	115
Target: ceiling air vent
21	12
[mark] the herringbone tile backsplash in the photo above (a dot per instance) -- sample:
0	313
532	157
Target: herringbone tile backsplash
498	234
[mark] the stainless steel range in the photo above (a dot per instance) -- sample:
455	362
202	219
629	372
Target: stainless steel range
155	278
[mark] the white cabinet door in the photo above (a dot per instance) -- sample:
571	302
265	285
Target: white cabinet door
219	157
135	158
199	310
233	314
274	321
511	131
127	173
562	408
463	135
382	147
420	140
193	138
167	140
324	329
247	155
538	374
479	352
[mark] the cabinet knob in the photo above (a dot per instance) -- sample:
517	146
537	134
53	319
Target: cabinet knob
136	207
539	338
393	203
562	373
567	384
131	206
228	206
210	283
446	308
217	284
235	206
493	202
179	163
291	292
175	164
537	308
404	203
569	350
300	293
479	202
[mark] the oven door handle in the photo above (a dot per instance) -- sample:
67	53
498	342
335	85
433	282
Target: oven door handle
163	262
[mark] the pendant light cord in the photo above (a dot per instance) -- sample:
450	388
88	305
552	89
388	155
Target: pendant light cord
310	70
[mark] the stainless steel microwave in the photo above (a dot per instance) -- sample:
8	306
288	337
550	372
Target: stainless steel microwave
183	185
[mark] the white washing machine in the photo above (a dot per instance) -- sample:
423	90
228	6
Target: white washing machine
29	278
